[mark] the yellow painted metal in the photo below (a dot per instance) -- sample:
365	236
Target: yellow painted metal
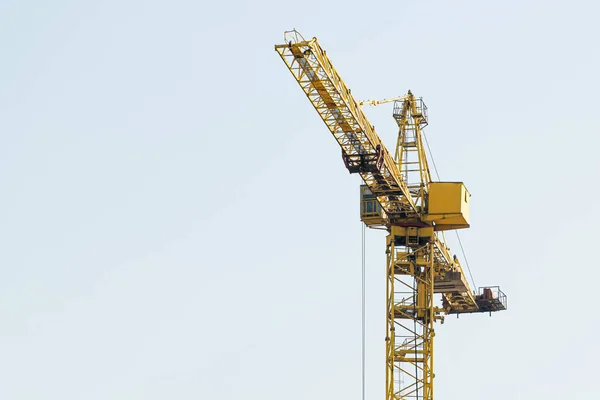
411	315
410	115
362	149
399	196
448	205
380	102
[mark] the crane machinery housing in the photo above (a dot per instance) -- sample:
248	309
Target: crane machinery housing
398	195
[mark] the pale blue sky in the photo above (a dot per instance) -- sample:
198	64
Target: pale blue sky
177	222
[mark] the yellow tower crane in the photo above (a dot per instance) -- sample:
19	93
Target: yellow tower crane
399	196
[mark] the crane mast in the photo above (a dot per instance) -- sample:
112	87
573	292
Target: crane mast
399	196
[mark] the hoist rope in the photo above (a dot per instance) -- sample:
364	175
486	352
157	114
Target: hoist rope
363	309
466	261
431	156
457	235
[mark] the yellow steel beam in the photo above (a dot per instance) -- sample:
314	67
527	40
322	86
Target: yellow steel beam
342	115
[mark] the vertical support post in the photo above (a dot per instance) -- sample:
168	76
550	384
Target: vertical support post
410	318
390	323
428	329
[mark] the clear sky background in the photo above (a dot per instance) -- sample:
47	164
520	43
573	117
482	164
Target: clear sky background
177	223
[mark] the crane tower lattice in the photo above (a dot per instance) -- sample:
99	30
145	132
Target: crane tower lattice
399	196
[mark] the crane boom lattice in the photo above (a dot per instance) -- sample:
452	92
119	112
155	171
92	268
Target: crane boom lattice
398	195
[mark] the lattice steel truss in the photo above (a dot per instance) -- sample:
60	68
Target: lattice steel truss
362	150
411	116
419	264
410	318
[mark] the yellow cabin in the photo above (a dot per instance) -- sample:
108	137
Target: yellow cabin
448	205
371	212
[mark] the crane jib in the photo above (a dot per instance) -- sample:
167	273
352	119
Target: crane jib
361	147
327	98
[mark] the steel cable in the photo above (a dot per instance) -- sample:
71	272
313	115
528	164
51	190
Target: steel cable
457	235
363	308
